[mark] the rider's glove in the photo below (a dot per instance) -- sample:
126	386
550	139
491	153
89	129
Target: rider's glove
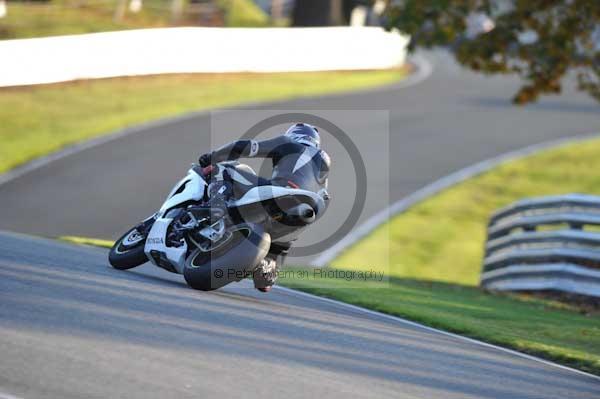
205	160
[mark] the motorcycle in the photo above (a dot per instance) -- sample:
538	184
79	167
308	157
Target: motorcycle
216	225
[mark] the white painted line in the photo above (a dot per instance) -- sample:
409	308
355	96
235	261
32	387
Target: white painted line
431	329
433	188
424	69
8	396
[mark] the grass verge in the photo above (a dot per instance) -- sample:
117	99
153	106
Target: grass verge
96	242
68	17
37	120
442	238
550	330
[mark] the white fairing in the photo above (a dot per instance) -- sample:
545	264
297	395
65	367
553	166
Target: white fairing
156	241
157	237
262	193
194	190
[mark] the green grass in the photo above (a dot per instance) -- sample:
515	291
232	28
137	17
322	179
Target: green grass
95	242
433	255
37	120
442	238
65	17
245	13
543	328
25	20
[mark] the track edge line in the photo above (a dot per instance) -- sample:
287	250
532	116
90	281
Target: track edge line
435	330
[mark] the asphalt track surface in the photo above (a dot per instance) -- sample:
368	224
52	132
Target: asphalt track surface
70	326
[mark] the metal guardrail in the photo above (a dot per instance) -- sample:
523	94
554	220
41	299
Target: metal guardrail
545	244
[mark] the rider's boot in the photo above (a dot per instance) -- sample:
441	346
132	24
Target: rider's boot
265	275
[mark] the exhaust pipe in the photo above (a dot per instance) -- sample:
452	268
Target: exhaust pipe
299	215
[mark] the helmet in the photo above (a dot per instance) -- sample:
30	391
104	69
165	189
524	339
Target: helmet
304	133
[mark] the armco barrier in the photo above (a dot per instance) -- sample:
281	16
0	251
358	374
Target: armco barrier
543	244
197	50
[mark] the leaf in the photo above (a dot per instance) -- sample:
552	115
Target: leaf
567	38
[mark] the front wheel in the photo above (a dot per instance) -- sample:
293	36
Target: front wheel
128	251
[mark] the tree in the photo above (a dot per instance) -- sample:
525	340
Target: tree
540	40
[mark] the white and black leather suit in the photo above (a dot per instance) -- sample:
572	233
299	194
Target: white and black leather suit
294	164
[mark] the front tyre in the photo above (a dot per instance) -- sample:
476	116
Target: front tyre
128	251
232	261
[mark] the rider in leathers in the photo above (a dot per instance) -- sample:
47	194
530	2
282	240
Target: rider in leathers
298	162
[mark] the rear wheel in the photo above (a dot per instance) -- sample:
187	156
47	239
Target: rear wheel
128	251
230	261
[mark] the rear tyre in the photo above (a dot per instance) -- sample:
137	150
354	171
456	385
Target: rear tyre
232	261
128	251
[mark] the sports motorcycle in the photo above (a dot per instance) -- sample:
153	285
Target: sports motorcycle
216	226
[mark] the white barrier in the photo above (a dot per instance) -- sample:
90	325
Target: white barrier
197	50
